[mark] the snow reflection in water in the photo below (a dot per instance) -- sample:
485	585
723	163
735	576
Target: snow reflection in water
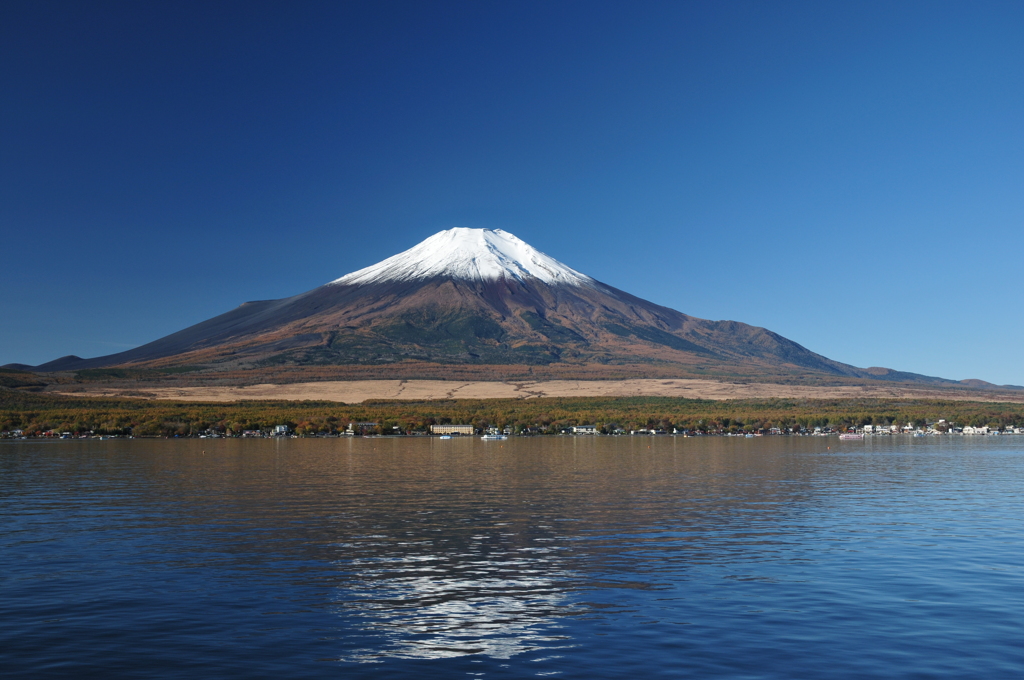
437	606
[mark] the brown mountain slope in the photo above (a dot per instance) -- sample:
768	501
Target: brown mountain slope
467	322
474	297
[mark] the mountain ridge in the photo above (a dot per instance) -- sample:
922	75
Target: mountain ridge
474	296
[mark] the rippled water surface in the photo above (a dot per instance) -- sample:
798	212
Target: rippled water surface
558	556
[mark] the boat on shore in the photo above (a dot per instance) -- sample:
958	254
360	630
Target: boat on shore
850	436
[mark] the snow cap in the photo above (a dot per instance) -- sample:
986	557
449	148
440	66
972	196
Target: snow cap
469	254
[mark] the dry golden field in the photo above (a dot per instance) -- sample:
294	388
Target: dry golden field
356	391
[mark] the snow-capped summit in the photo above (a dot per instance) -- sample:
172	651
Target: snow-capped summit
471	254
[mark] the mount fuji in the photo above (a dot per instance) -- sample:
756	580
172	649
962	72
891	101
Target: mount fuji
474	297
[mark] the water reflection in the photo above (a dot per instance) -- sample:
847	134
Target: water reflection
591	558
474	553
431	606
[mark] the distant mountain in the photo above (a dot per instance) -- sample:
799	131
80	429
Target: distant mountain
474	296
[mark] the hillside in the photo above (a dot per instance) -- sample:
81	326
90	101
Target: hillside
482	300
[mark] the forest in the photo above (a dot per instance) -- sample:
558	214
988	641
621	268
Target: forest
37	413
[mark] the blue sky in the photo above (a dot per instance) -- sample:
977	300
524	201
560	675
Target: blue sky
850	175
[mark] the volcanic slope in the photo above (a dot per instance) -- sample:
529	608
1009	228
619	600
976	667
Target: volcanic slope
473	296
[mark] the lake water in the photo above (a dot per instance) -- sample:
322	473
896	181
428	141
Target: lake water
556	556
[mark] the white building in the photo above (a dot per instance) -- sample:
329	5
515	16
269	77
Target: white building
451	429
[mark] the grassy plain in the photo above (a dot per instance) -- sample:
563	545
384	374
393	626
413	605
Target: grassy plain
356	391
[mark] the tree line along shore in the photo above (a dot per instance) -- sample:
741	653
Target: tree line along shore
39	414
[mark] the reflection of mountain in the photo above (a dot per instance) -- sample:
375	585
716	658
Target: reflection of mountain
502	552
414	548
474	296
579	557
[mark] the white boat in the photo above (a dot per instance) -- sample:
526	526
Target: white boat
494	437
446	436
850	435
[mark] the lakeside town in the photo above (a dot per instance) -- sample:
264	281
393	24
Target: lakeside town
374	429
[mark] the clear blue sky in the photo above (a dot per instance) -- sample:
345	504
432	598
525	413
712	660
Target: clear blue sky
850	175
